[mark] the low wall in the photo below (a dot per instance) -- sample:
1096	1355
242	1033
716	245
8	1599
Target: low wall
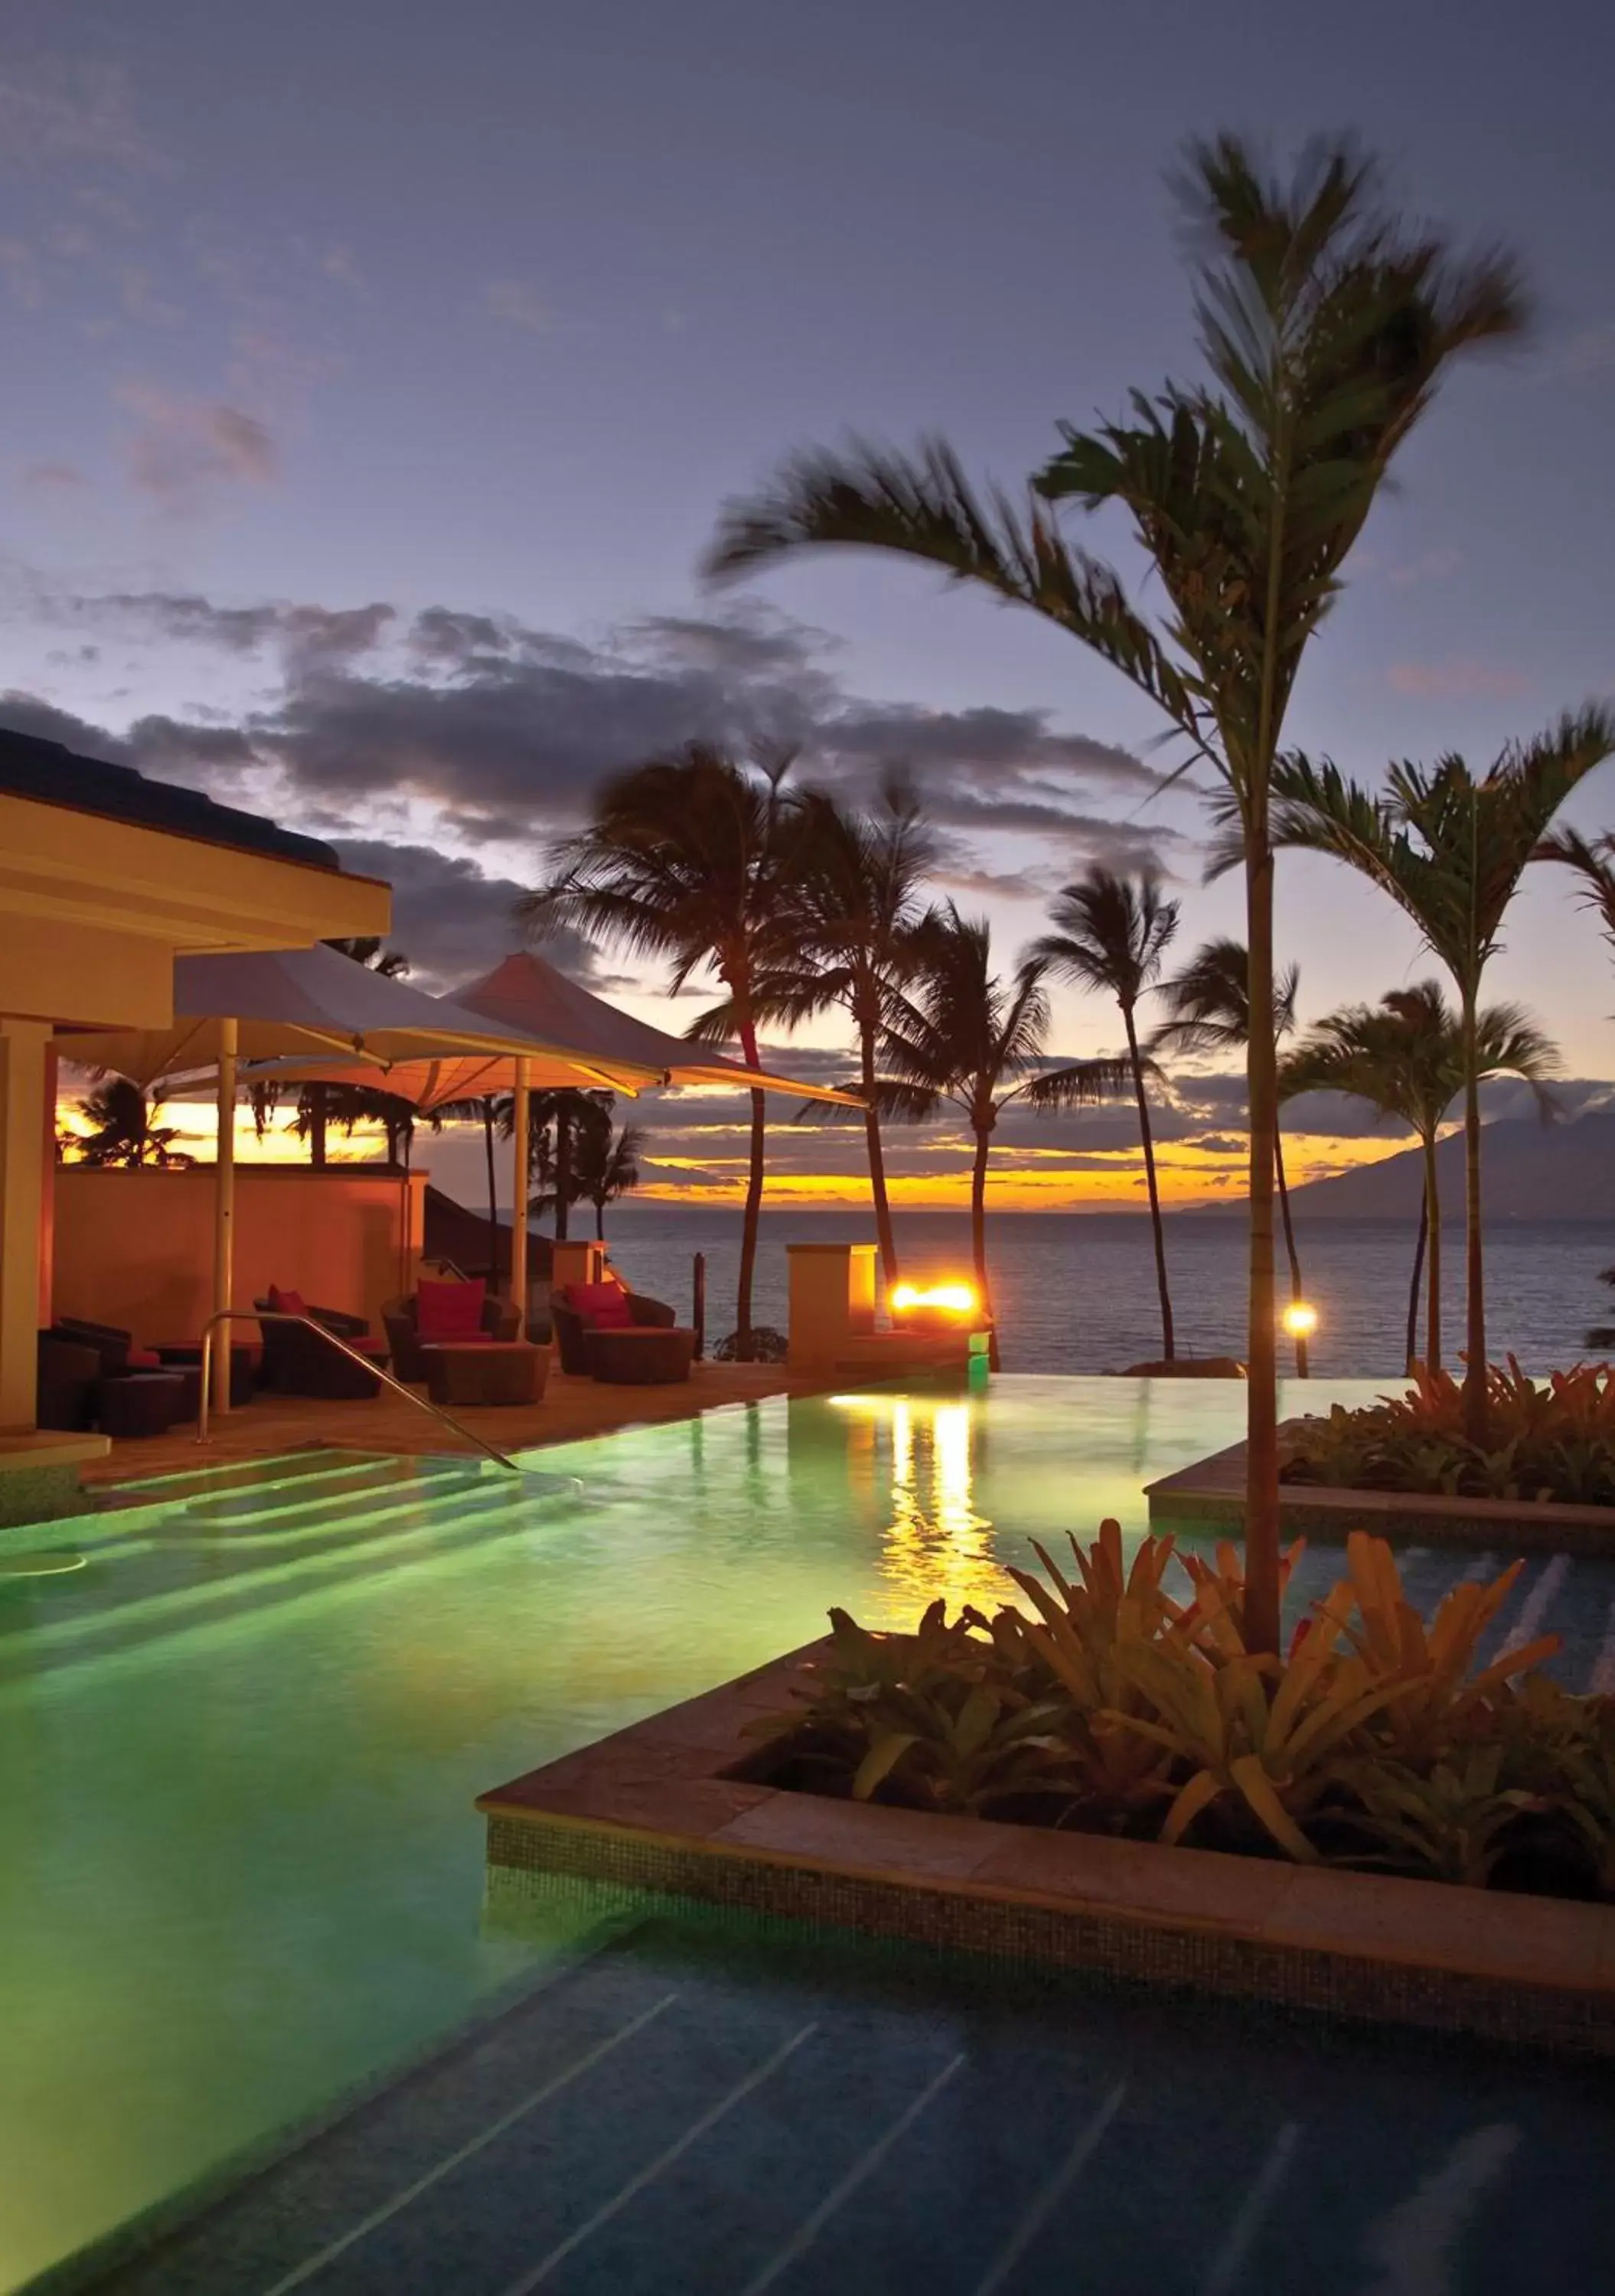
135	1248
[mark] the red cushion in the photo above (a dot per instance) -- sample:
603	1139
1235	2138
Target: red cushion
604	1307
449	1311
285	1303
143	1360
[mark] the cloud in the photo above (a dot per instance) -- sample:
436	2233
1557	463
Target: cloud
451	920
186	448
307	636
53	478
1430	566
1459	677
519	306
71	109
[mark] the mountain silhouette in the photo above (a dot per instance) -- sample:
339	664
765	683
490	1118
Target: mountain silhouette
1528	1171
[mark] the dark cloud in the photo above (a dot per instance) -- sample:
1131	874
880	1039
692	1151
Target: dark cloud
507	730
453	923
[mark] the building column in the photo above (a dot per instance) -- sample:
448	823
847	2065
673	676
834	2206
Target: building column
24	1048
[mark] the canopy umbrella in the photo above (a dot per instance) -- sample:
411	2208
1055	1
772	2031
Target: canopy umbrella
526	993
277	1002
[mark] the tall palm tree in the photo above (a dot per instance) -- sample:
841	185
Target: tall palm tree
962	1034
1111	934
609	1168
1323	323
1209	1003
692	858
575	1125
1594	862
122	1131
1450	850
320	1106
1406	1057
857	901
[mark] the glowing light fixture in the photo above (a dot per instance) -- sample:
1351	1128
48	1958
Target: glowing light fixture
933	1299
1300	1319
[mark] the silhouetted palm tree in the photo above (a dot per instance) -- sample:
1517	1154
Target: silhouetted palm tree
1450	850
1405	1056
1325	324
1110	933
963	1035
320	1106
857	898
692	858
609	1168
1209	1002
123	1133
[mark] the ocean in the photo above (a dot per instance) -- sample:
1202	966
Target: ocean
1075	1292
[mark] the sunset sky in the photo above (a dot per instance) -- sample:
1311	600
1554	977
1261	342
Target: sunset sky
367	408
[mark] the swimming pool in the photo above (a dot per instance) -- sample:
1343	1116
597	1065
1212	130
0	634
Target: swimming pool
239	1865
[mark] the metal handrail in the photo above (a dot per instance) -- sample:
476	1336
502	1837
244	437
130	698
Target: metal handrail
277	1316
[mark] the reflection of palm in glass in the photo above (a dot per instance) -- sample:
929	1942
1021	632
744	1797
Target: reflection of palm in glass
934	1542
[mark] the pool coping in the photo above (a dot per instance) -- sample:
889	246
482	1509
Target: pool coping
1209	1496
657	1808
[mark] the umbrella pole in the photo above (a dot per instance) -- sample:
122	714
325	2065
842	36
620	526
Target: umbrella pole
223	1208
519	1143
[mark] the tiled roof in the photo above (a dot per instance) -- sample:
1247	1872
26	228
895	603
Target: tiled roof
54	775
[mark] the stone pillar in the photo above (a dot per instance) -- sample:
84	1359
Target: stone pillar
584	1262
24	1046
832	1298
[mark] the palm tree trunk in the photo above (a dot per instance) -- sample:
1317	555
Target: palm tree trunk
1474	1376
1261	1395
563	1170
600	1220
754	1201
1168	1347
1303	1359
316	1127
493	1198
877	1157
1432	1224
978	1237
1411	1354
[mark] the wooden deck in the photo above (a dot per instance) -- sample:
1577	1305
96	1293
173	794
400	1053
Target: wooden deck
572	1409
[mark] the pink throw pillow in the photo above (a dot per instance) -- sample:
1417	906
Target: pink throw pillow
143	1360
449	1311
285	1303
604	1307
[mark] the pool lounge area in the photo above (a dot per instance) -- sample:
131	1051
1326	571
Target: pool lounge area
243	1875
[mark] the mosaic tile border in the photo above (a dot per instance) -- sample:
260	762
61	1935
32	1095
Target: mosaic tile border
657	1808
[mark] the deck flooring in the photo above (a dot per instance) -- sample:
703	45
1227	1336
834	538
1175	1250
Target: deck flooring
571	1410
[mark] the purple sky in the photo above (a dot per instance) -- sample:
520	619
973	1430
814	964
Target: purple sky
471	316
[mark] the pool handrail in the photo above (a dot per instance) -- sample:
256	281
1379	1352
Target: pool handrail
280	1315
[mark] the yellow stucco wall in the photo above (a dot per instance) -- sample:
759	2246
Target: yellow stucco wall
135	1248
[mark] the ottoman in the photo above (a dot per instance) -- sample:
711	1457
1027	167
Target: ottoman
484	1371
639	1357
140	1403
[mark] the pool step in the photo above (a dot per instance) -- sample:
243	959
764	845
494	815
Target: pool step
309	1501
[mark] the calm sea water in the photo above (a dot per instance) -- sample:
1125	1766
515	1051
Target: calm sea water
1075	1292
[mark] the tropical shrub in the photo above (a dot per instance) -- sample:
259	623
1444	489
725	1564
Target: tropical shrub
1550	1441
1113	1703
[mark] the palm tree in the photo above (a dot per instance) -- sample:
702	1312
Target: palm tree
1110	933
1450	850
1405	1056
857	901
1594	862
692	858
123	1133
1325	324
609	1168
319	1105
961	1034
574	1126
1209	1002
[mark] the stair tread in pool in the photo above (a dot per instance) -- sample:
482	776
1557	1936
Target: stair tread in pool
294	1504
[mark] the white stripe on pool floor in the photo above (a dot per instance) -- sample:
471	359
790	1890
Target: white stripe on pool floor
1229	2261
1536	1604
1049	2199
648	2174
529	2104
802	2239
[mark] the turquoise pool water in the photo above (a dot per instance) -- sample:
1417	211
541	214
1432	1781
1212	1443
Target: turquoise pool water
239	1865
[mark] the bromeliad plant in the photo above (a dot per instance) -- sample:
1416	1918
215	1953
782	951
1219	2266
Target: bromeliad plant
1111	1704
1550	1441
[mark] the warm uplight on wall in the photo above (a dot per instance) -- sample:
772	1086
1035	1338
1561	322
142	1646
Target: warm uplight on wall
1300	1319
934	1299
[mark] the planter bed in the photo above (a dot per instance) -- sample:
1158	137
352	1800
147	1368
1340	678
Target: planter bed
661	1807
1209	1497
